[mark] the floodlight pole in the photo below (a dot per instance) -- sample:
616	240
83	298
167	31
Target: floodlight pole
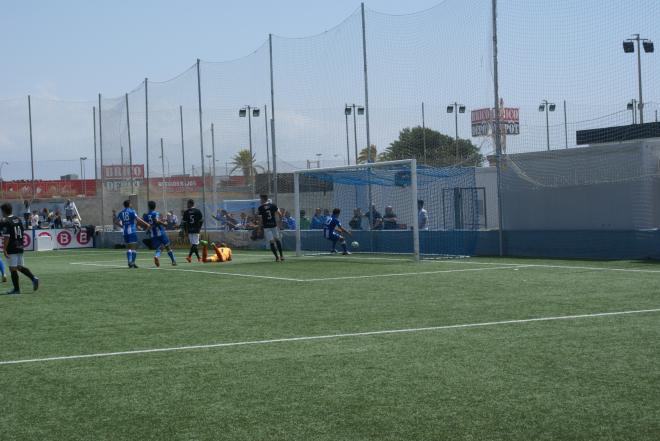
639	79
296	208
212	169
415	209
498	140
96	177
565	127
130	149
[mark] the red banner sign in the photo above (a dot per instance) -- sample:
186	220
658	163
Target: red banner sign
47	189
122	172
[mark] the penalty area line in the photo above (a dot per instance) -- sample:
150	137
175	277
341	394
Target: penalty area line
332	336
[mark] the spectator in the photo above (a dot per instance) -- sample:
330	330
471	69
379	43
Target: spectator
288	223
356	221
318	221
27	214
172	220
115	221
70	210
57	219
76	224
375	218
304	222
243	222
232	223
34	220
422	216
389	220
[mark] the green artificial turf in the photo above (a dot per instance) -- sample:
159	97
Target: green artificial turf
588	378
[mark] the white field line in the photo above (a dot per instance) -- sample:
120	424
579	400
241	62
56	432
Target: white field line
540	265
418	273
291	279
219	273
331	336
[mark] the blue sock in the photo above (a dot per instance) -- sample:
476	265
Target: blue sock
134	256
157	254
343	246
2	267
129	255
171	254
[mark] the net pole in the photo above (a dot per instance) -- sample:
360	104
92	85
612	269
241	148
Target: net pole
101	158
565	127
201	141
498	141
296	208
272	117
162	165
413	189
424	132
348	146
96	174
130	148
267	147
366	83
31	143
146	132
215	201
183	147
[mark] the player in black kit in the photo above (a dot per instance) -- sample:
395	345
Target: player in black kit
270	219
192	225
12	231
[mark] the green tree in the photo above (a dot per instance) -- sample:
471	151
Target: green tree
441	150
363	157
245	162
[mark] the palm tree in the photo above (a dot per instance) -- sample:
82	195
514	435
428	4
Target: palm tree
364	155
245	161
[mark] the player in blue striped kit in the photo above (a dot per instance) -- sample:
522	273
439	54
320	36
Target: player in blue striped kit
159	239
129	220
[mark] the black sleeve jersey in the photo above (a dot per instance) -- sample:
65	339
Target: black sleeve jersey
267	212
193	220
12	227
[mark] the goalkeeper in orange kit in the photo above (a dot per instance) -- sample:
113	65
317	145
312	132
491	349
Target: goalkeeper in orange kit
222	252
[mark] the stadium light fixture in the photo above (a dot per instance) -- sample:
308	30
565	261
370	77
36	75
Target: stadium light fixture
546	107
629	47
242	113
632	106
458	108
352	109
250	112
255	112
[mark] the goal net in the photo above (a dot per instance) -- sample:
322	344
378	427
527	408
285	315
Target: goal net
379	204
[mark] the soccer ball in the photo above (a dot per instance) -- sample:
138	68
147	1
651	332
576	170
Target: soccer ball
355	244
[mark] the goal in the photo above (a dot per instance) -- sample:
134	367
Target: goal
379	205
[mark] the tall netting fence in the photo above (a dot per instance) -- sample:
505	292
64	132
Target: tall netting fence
376	87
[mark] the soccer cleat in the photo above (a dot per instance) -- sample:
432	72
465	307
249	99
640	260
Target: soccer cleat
13	291
203	242
135	266
157	262
346	253
174	263
282	259
277	259
35	284
130	265
4	278
333	252
188	259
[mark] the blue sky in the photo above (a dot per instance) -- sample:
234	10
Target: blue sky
75	49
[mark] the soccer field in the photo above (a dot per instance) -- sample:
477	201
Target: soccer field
331	348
